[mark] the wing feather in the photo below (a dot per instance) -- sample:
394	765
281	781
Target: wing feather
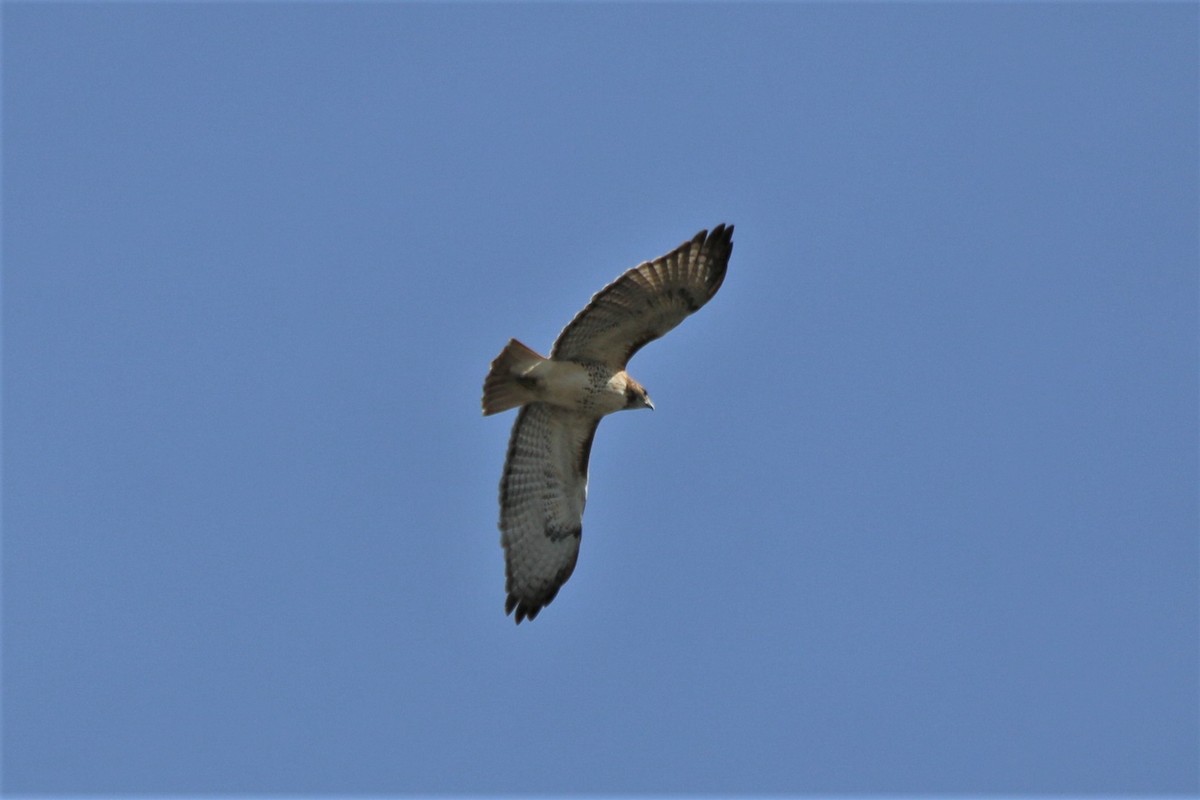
542	495
647	301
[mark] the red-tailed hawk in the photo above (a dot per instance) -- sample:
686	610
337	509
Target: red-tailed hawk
563	397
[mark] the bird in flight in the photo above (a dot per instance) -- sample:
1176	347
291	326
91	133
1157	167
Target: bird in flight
562	398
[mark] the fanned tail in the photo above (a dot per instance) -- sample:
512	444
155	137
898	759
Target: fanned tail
503	388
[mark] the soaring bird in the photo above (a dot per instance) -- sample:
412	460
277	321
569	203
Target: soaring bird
563	397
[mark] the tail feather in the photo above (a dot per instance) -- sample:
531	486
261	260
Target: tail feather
503	388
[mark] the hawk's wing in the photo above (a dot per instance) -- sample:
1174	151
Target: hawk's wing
647	301
542	495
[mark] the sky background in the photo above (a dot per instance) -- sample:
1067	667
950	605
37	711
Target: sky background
917	511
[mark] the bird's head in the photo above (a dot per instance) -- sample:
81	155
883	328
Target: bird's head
635	395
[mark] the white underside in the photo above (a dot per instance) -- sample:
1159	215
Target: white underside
566	384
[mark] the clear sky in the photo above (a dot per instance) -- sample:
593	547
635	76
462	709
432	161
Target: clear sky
917	511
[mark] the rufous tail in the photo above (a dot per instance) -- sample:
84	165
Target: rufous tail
503	388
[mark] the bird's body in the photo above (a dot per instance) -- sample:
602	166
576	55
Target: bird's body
563	397
589	387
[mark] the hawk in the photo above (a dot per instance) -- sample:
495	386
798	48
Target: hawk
563	397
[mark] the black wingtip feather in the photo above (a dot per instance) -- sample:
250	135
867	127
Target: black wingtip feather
719	243
525	610
528	608
721	236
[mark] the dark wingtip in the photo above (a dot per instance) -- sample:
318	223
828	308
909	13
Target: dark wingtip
722	234
719	244
524	609
529	608
719	239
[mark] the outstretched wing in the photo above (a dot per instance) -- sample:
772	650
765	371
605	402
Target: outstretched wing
647	301
542	495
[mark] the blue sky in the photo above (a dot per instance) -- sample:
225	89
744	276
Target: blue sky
917	511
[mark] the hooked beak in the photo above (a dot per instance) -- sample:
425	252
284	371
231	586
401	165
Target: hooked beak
649	405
